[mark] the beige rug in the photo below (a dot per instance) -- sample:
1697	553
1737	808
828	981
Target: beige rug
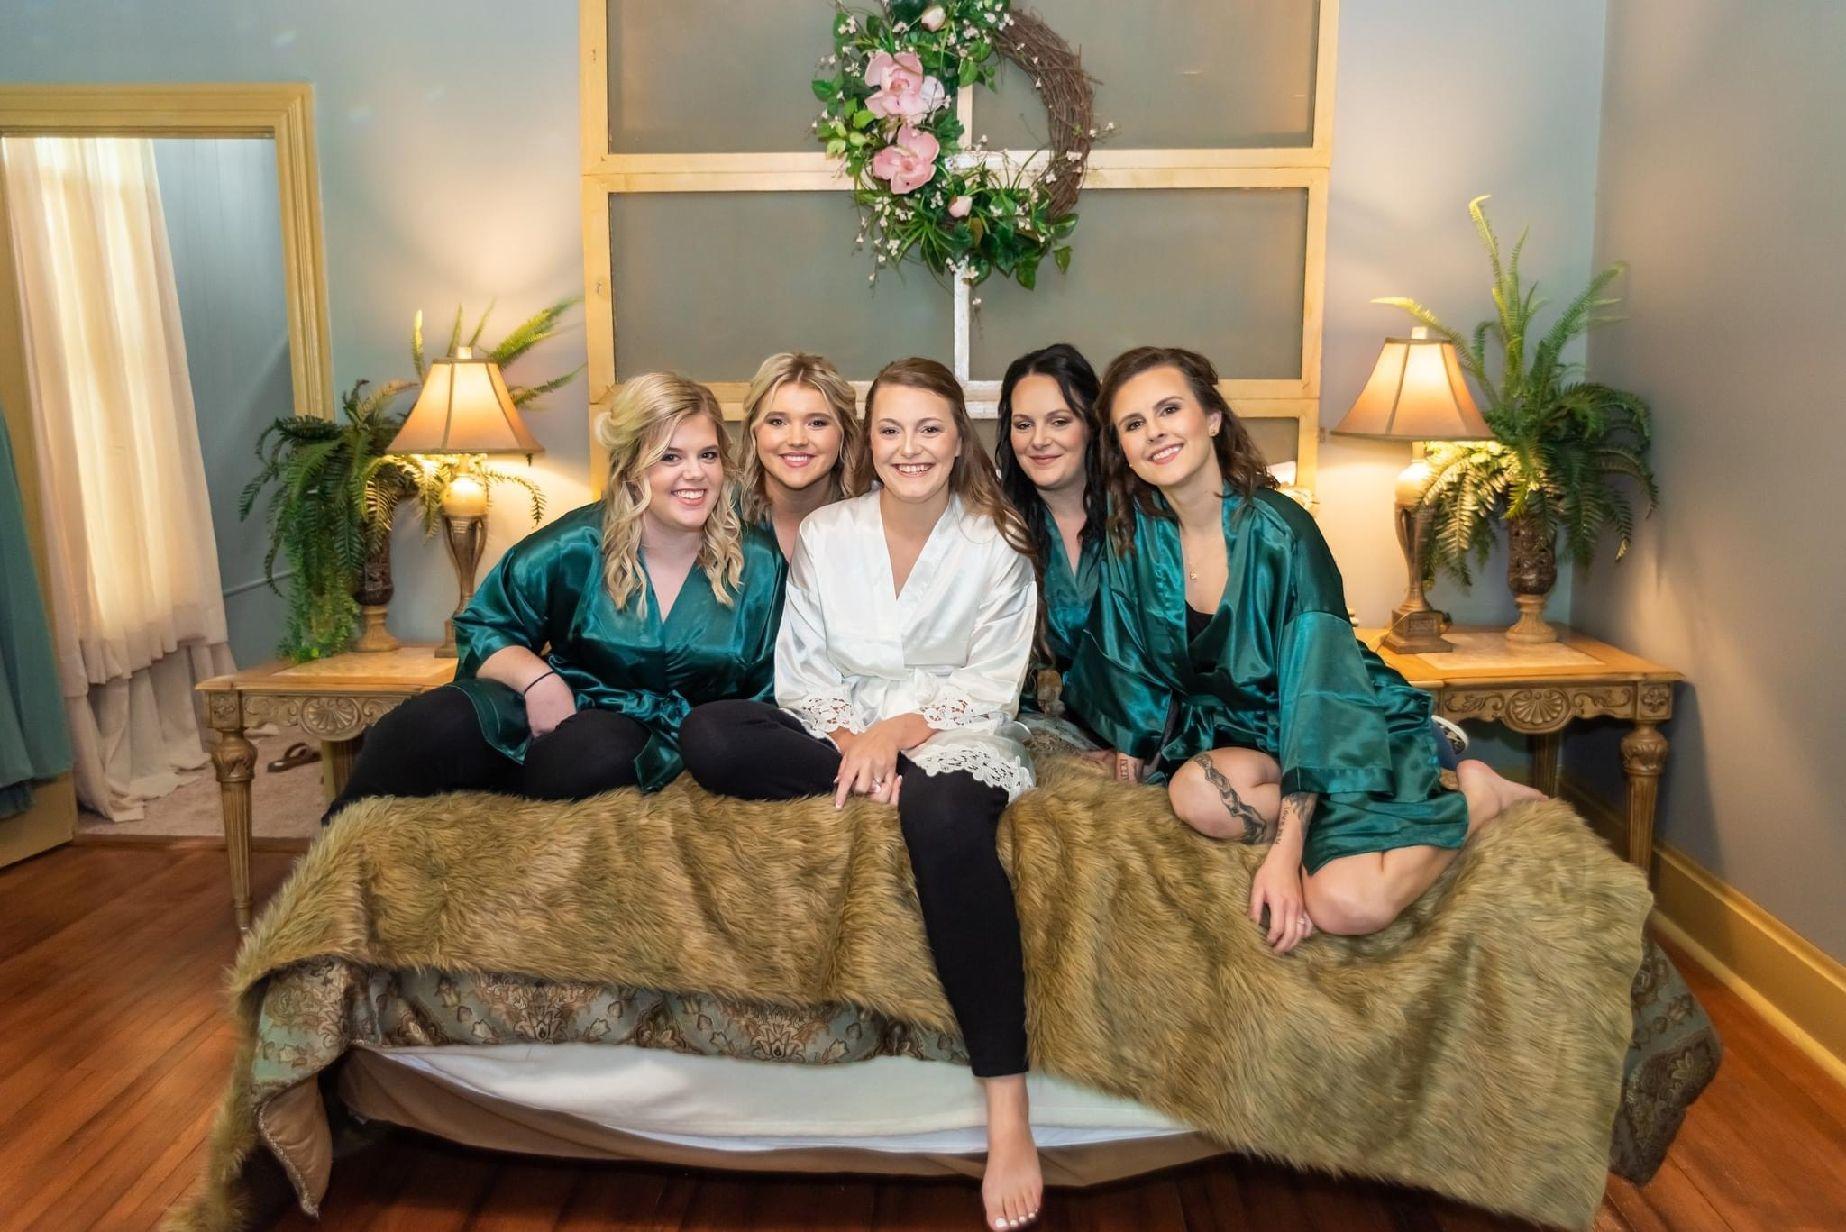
285	805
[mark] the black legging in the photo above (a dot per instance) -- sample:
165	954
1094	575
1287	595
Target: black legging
433	743
756	752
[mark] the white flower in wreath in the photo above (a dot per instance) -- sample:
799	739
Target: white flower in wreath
904	89
933	17
964	161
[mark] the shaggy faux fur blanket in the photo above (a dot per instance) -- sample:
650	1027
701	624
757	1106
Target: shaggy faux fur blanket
1474	1048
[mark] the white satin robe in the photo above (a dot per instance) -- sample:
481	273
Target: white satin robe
952	647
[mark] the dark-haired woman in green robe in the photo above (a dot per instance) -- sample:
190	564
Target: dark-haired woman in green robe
1222	662
1048	456
592	638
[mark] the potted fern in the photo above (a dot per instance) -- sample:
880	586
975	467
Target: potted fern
1563	451
324	516
334	491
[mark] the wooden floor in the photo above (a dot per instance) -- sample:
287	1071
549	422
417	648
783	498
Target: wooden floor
114	1046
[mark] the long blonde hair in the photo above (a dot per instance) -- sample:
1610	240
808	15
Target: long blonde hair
636	430
800	368
973	478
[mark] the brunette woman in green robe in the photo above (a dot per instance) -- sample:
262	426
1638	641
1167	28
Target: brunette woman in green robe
1051	471
1222	662
592	637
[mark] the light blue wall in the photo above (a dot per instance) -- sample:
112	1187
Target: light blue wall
447	134
225	233
1723	168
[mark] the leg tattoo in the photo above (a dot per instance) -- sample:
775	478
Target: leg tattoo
1255	829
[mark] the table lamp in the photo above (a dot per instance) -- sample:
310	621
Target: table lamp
1416	394
464	408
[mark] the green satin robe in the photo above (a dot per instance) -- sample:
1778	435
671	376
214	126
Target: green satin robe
547	594
1070	600
1277	669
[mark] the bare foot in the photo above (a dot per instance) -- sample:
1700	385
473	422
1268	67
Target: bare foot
1012	1187
1489	792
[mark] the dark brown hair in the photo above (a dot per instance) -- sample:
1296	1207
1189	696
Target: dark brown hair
973	477
1238	457
1064	364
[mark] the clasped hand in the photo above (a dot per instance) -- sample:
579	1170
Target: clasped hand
868	764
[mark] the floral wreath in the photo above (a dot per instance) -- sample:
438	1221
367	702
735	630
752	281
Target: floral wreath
889	92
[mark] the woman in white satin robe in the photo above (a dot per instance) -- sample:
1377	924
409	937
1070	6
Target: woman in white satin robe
907	626
953	647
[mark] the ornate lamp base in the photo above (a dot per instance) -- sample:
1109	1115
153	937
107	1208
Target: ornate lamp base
466	537
1417	632
1531	629
1416	627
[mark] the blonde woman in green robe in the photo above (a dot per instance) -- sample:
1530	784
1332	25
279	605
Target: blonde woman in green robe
1221	661
590	640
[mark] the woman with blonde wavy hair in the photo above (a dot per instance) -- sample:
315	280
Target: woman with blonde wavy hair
589	641
801	443
910	619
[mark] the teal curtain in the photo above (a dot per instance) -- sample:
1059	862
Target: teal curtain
34	738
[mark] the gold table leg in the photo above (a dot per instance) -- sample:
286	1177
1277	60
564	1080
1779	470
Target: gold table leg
234	759
337	759
1544	747
1644	757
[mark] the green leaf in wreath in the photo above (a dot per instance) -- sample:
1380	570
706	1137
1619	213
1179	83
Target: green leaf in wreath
862	118
977	227
1062	257
824	89
1027	273
835	148
855	139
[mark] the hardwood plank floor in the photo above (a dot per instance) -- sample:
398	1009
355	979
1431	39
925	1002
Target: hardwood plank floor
114	1047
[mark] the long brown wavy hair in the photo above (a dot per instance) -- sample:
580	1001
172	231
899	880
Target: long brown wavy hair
973	478
635	430
1238	457
800	368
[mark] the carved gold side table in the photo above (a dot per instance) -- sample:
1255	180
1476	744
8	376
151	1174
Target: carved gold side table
1540	690
332	700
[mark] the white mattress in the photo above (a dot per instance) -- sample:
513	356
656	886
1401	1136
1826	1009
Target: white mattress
892	1104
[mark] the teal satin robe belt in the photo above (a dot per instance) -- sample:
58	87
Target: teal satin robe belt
548	595
1278	669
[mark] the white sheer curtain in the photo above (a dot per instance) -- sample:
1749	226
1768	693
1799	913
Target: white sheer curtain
138	610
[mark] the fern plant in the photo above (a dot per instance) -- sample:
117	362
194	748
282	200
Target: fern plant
335	491
323	517
1563	446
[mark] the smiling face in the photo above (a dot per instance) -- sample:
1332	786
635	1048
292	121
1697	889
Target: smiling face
914	443
798	438
1048	437
1163	431
684	485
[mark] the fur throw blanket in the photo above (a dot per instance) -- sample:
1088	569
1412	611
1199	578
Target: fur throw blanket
1474	1048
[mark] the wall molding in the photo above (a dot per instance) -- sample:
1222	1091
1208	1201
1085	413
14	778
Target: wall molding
1798	988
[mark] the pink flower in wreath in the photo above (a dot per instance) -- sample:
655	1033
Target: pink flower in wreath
904	89
909	162
960	207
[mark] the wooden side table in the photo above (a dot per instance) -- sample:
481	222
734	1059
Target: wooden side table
1540	690
332	699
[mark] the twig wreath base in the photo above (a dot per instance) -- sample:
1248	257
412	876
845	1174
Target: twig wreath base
924	193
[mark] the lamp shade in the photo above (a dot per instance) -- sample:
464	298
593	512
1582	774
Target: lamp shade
1416	393
464	407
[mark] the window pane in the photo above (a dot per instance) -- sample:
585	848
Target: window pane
692	76
1278	439
1217	270
1175	74
709	283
